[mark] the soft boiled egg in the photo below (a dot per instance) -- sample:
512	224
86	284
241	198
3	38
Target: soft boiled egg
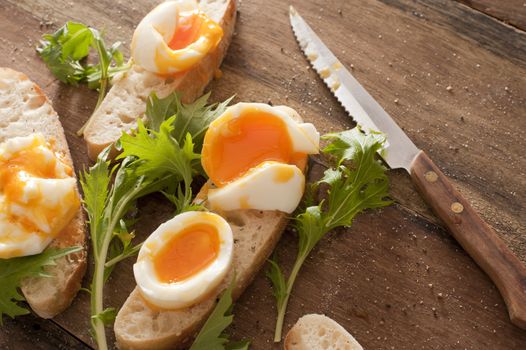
173	37
38	195
184	260
258	189
254	154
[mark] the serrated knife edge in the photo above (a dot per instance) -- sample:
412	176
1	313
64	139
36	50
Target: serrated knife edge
400	150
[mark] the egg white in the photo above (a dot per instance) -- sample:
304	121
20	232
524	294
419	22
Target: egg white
155	31
15	241
261	189
304	136
58	194
187	292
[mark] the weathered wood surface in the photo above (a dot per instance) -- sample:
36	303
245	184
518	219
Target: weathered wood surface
36	333
510	11
396	279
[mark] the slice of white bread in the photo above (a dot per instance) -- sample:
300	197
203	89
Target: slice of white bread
24	110
321	333
139	326
126	100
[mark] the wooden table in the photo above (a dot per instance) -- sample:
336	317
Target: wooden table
396	279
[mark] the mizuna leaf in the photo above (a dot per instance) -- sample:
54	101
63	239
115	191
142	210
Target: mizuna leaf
65	52
279	285
95	186
356	182
158	153
192	118
211	336
14	270
107	316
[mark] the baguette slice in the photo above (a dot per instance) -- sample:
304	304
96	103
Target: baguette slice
126	101
24	109
255	232
319	332
138	326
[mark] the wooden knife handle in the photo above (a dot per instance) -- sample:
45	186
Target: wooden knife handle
474	235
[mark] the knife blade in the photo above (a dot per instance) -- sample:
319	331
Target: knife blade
465	224
352	96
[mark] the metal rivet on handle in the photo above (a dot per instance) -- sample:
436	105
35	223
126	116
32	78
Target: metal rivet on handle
457	208
431	176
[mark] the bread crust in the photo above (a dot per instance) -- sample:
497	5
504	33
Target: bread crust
25	110
126	101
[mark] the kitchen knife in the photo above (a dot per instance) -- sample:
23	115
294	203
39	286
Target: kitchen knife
468	228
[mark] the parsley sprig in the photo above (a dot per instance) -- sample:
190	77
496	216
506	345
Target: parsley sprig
356	182
14	270
153	159
65	53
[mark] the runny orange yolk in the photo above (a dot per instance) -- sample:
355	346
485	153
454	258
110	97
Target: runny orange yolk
190	29
189	252
244	143
32	162
187	31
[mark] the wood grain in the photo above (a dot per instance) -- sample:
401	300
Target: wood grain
373	278
32	332
474	235
398	282
509	11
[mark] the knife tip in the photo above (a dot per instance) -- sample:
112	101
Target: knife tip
292	11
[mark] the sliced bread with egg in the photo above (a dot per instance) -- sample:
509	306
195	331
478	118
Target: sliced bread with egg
321	333
126	101
255	232
25	110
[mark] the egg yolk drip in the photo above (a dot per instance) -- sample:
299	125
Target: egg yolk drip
30	162
187	253
194	36
284	175
244	143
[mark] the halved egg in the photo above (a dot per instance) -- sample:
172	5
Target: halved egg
248	148
184	260
269	186
173	37
38	195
